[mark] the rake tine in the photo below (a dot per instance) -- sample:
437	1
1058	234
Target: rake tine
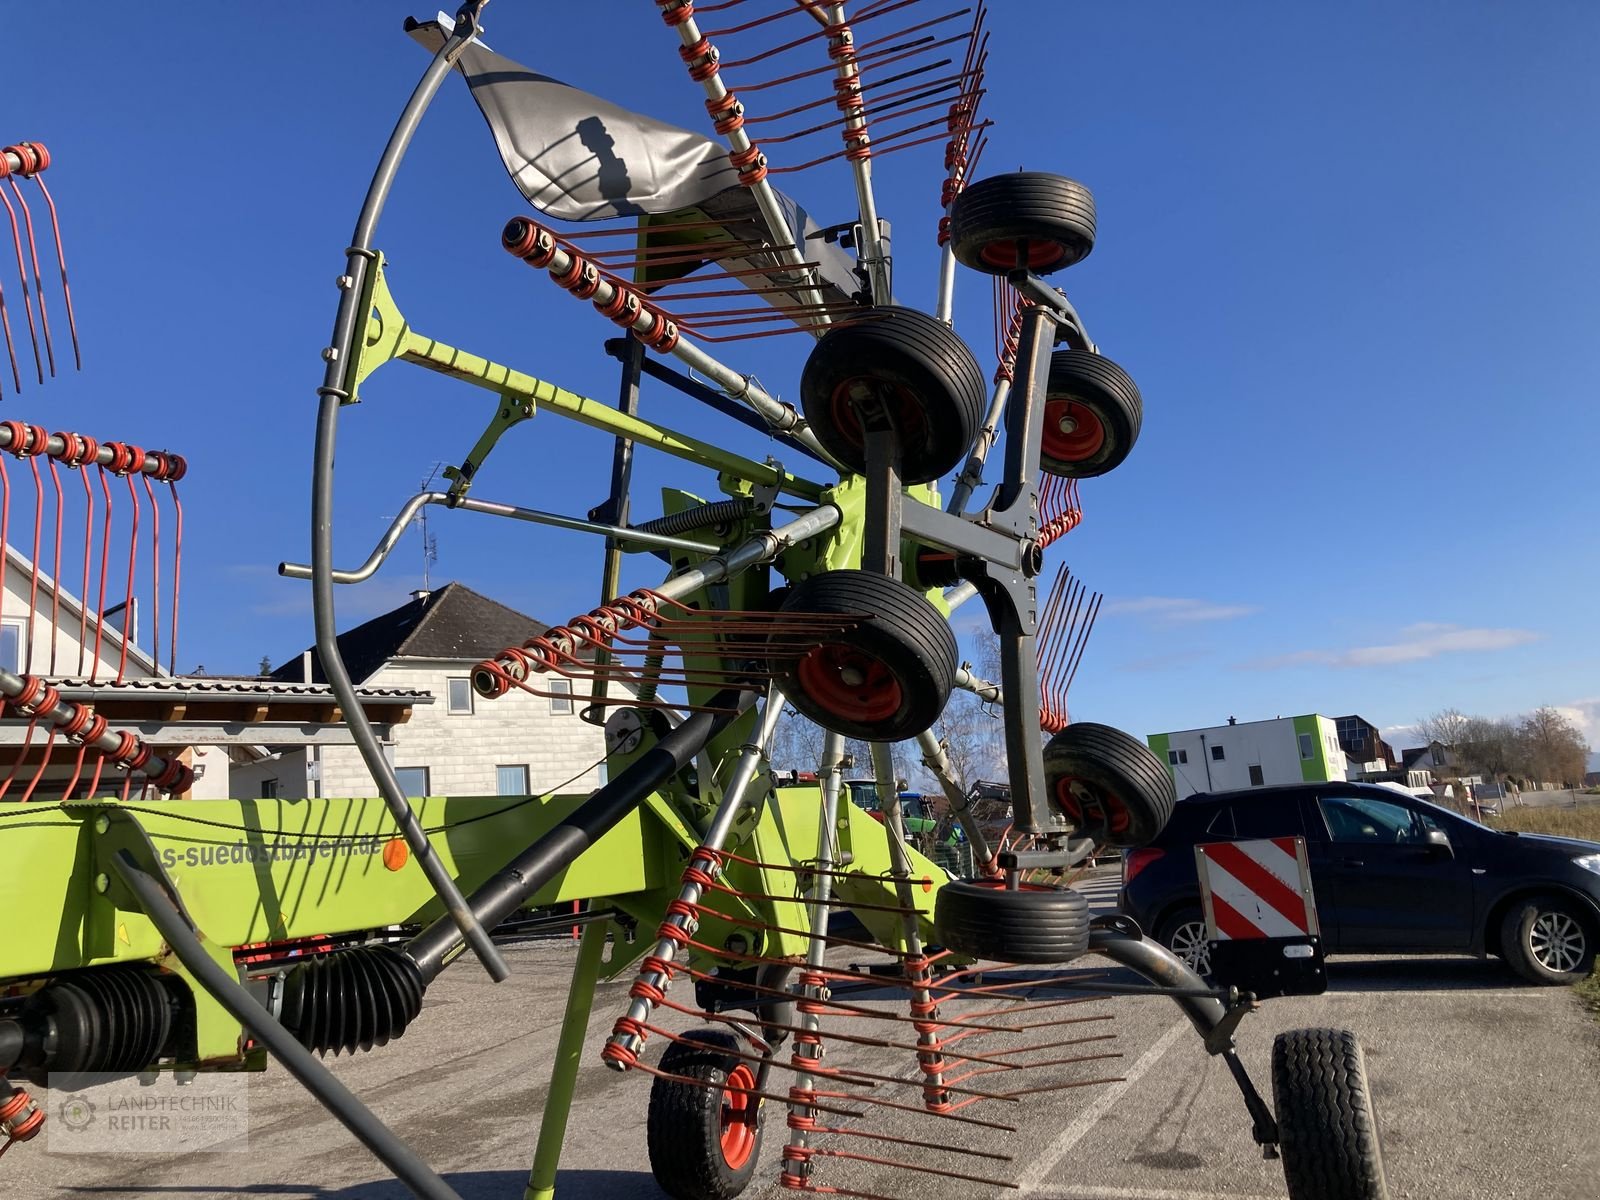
38	278
61	259
11	350
27	302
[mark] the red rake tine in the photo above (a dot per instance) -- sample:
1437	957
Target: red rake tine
38	276
27	301
61	259
11	350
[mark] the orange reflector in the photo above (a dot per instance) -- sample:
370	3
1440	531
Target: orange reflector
395	853
927	884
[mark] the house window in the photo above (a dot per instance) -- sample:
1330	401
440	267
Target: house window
1177	756
561	701
1216	754
1256	778
413	781
1333	746
269	789
11	646
458	701
1308	746
511	781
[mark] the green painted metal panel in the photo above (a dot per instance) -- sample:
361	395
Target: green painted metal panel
1315	768
1160	743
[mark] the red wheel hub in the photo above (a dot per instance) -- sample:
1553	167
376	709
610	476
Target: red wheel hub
737	1121
1039	254
902	404
850	683
1116	812
1073	432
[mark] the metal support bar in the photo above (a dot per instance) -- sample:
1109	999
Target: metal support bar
564	1071
938	763
340	357
894	828
1060	308
871	253
984	689
165	915
715	837
403	519
510	887
695	390
972	474
1160	966
1009	593
806	1049
885	504
616	510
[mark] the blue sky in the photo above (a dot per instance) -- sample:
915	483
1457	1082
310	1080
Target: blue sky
1347	252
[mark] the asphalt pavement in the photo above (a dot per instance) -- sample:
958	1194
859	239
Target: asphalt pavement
1485	1088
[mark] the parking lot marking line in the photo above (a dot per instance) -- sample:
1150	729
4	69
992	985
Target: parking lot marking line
1082	1191
1069	1137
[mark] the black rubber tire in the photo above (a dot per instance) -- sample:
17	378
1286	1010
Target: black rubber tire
683	1131
1190	920
1054	214
1561	922
1133	789
904	639
1102	409
1327	1130
1035	924
934	389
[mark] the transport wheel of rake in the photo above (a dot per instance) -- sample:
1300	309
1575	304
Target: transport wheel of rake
883	680
1051	216
1037	923
1109	784
1092	414
1327	1131
918	368
1547	940
704	1139
1184	933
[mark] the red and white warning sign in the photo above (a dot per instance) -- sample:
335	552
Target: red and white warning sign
1257	889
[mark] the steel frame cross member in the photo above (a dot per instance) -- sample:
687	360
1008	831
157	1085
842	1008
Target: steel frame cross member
996	550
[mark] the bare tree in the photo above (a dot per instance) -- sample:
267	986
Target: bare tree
1557	752
1493	748
1448	728
796	743
973	734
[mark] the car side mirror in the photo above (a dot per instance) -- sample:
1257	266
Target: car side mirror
1439	844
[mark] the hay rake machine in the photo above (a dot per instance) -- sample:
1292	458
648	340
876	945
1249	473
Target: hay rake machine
826	589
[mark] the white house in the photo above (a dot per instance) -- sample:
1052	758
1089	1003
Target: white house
1246	754
461	744
212	723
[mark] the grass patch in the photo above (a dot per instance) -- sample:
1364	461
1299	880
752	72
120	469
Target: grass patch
1561	822
1589	991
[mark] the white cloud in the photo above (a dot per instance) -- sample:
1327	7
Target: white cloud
1425	640
1172	610
1585	714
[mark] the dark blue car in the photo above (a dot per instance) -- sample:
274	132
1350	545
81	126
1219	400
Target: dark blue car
1391	874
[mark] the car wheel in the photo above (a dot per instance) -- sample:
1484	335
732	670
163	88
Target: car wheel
1327	1131
1184	933
1545	939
